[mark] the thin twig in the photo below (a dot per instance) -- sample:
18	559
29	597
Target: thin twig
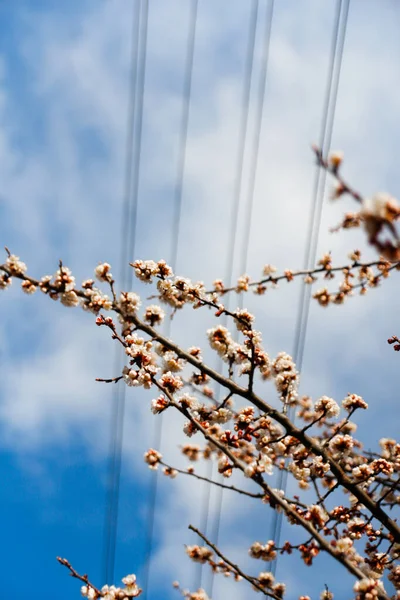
274	279
334	171
236	568
217	483
113	380
76	575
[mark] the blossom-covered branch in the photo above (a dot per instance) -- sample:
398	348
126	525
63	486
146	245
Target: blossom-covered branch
377	214
108	592
263	583
319	451
368	274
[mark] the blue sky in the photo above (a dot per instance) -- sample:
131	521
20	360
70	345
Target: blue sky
63	102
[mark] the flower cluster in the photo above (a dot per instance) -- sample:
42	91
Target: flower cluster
159	405
15	265
264	552
352	401
128	303
152	458
27	286
6	280
286	377
171	383
103	273
250	356
146	270
142	364
200	554
110	592
173	291
200	594
316	515
93	299
368	589
379	213
327	406
221	340
154	315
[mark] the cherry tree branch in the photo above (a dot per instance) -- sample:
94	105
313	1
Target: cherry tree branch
308	273
273	495
76	575
211	481
236	568
333	169
310	443
284	420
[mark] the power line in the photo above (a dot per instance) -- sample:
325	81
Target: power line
128	242
132	221
118	404
253	174
127	213
242	140
177	214
256	140
334	70
237	188
320	180
187	92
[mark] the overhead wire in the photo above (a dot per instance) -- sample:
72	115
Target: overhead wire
187	93
131	224
319	185
177	215
256	141
137	156
128	243
237	188
259	111
328	117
